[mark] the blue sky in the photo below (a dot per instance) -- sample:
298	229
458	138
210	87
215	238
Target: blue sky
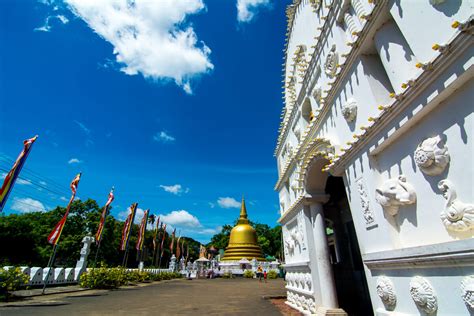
177	105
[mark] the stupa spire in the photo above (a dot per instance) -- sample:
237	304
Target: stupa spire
243	212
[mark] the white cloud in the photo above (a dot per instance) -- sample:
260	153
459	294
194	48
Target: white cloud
27	205
174	189
228	202
84	128
74	160
46	27
23	181
163	137
247	9
210	231
152	38
181	218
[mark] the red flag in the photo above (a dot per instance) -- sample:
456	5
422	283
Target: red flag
172	241
11	177
98	235
178	248
156	232
55	234
127	227
141	231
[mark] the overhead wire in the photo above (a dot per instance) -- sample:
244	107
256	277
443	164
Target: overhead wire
8	160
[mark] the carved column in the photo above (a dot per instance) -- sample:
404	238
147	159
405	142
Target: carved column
320	255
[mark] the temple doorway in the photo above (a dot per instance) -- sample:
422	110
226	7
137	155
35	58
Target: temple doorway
346	260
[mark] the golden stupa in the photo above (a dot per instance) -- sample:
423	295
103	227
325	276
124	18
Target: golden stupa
243	240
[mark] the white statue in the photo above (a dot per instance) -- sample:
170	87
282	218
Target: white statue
432	156
349	110
457	216
86	249
395	192
173	263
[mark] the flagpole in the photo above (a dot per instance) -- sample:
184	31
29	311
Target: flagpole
159	261
50	264
125	258
155	256
97	253
99	242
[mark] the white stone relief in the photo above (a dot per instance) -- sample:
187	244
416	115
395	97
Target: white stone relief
332	60
457	216
432	156
423	295
301	229
309	282
395	192
317	93
364	200
386	292
289	245
467	291
299	281
297	133
293	237
301	302
349	110
316	4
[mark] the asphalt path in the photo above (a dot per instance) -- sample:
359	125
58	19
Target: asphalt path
177	297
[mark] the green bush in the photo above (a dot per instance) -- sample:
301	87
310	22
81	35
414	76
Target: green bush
112	278
11	280
227	275
104	278
249	274
272	274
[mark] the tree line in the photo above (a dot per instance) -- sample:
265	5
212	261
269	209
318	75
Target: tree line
23	238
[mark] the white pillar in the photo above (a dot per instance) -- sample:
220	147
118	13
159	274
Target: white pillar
326	277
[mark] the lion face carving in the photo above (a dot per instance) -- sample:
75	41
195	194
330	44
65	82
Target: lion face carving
395	192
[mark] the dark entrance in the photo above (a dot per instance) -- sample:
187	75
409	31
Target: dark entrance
351	286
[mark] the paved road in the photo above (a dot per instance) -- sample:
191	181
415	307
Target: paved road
179	297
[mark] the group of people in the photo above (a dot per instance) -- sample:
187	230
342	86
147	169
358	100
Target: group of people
261	274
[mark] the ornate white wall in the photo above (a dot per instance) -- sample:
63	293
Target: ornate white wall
389	85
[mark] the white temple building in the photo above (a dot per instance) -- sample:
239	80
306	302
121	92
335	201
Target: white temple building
375	157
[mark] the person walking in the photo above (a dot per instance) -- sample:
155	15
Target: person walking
265	276
259	273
